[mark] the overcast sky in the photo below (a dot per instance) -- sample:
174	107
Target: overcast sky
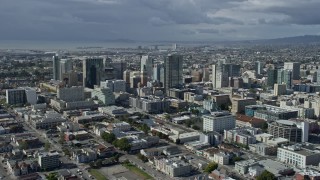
157	20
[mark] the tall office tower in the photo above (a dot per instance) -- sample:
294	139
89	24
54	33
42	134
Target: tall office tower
56	67
16	96
162	75
126	76
285	77
272	76
258	67
294	67
206	74
65	67
70	79
280	89
220	76
146	65
156	72
92	69
144	78
118	68
318	76
173	71
232	70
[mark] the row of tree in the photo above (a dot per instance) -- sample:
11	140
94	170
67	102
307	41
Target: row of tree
122	144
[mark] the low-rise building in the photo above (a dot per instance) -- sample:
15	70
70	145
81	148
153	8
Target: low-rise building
85	155
307	174
218	121
185	137
49	160
298	155
242	167
173	167
221	158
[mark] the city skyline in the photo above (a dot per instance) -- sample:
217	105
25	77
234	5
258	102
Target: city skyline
164	20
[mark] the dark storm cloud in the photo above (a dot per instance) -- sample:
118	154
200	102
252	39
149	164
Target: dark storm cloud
155	19
208	31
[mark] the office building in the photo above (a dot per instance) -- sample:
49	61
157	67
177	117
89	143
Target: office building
285	77
92	72
218	121
157	72
56	67
71	94
210	105
70	79
268	112
241	136
146	65
173	167
105	95
272	76
173	71
238	105
298	155
65	67
31	95
49	160
114	85
150	104
118	67
16	96
318	76
219	76
258	66
294	131
294	67
280	89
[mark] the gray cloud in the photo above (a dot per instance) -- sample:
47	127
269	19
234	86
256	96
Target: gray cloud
156	20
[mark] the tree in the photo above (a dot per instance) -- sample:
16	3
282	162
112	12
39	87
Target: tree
266	175
211	167
195	127
24	145
61	138
122	144
52	176
108	137
142	157
145	128
47	146
167	117
188	123
264	126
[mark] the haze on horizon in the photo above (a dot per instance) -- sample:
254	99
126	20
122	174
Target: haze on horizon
157	20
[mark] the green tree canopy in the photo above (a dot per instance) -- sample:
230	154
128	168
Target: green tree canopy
211	167
108	137
47	146
266	175
52	176
122	144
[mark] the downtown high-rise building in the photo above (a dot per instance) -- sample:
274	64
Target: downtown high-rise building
285	77
65	67
56	67
294	67
173	71
258	66
92	71
272	74
219	76
221	73
146	66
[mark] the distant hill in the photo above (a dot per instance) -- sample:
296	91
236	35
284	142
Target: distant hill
307	39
